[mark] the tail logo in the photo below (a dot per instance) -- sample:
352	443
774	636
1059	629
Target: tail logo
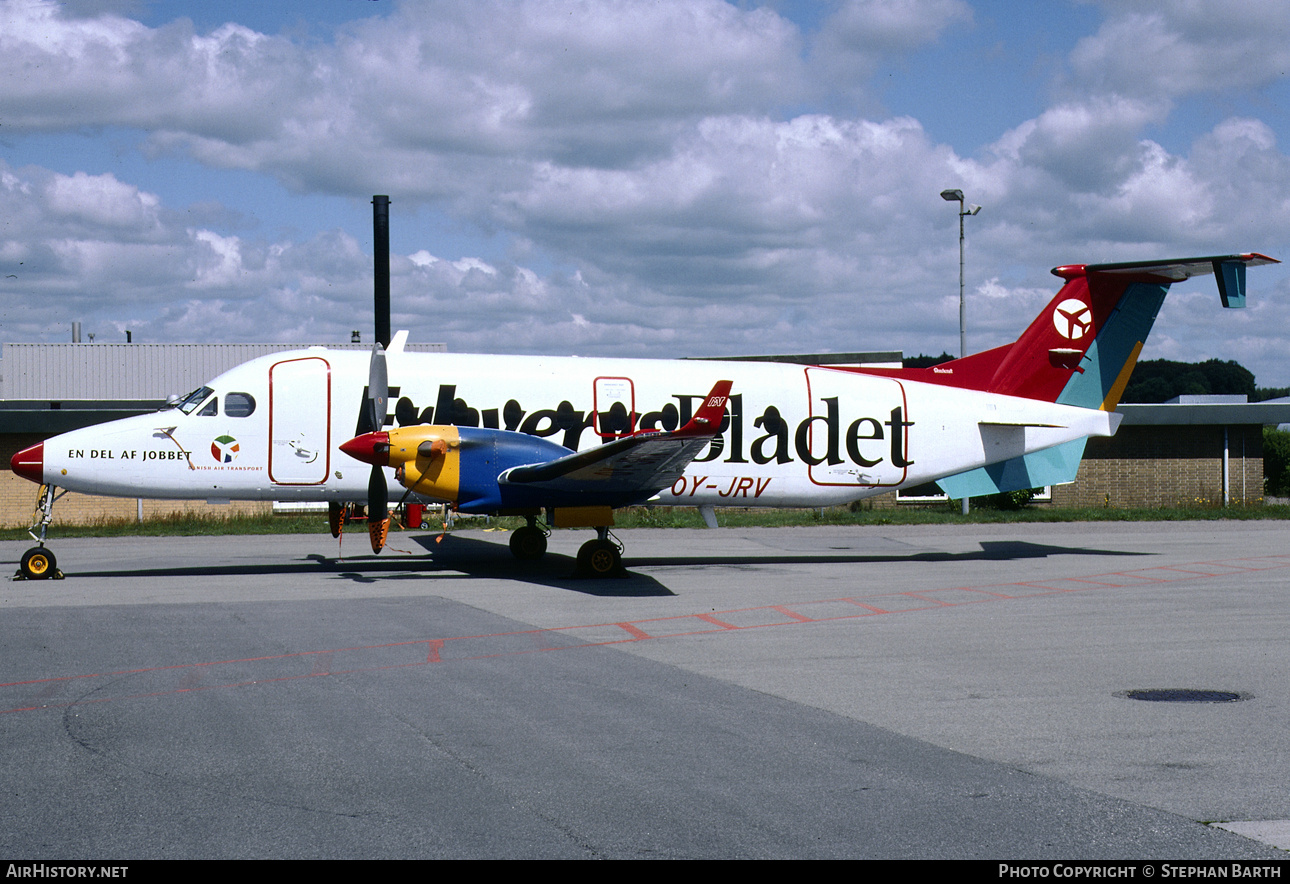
1072	319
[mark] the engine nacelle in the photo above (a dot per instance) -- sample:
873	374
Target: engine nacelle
459	465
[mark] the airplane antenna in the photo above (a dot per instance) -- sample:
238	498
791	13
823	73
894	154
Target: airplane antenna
381	258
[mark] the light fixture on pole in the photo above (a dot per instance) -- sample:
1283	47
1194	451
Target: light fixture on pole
951	196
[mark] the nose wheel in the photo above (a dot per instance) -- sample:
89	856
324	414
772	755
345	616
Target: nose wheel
38	563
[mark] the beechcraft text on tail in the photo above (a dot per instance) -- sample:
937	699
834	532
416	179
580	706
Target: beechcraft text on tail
566	441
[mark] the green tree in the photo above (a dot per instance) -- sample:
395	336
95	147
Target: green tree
924	361
1276	462
1159	380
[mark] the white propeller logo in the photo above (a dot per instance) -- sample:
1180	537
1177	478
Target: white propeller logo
1072	319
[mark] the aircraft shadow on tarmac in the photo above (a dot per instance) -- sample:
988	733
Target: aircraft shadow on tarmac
456	557
473	557
468	557
991	551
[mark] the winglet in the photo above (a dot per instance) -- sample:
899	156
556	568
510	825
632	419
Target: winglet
707	420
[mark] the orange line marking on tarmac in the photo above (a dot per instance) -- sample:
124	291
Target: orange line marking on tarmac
37	694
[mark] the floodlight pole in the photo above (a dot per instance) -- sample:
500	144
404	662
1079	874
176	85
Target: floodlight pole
962	299
951	196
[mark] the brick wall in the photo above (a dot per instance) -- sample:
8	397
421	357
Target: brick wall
1156	466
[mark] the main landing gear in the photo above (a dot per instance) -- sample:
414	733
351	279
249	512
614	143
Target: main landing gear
38	563
602	557
528	544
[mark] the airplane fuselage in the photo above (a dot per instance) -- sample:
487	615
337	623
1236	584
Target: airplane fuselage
794	435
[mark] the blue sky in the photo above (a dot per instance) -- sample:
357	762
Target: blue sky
687	177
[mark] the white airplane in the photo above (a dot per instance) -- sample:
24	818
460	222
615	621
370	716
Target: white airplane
578	438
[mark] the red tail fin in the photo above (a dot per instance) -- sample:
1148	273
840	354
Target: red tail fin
1082	347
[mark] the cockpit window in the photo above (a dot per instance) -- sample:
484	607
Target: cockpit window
238	404
194	399
211	409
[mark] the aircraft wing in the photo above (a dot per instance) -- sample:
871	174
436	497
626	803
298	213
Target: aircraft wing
635	465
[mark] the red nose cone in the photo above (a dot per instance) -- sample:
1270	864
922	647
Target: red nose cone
373	448
30	463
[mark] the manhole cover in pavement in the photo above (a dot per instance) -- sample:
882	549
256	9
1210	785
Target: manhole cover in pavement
1184	695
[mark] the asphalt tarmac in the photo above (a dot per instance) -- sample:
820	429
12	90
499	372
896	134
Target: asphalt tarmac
920	692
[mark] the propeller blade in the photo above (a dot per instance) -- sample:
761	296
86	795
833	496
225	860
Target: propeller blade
371	415
371	419
378	508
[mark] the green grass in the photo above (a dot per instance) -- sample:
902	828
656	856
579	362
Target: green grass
679	517
180	526
676	517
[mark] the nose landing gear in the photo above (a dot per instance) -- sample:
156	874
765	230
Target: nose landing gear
38	563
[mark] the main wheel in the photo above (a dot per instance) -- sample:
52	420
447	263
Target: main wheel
38	563
599	558
528	544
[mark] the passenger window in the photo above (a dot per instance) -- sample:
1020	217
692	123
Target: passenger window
238	404
211	409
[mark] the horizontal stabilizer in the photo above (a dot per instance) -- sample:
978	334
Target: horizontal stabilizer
1021	424
1179	269
1228	269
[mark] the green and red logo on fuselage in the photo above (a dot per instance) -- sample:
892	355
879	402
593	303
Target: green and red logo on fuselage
224	449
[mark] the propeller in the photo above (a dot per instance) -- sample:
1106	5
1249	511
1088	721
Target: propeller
371	419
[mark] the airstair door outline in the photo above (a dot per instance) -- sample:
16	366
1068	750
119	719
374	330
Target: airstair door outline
849	434
300	421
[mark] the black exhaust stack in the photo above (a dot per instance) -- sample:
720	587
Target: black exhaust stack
381	257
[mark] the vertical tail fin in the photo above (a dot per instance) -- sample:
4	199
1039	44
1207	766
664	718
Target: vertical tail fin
1082	343
1082	348
1081	351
